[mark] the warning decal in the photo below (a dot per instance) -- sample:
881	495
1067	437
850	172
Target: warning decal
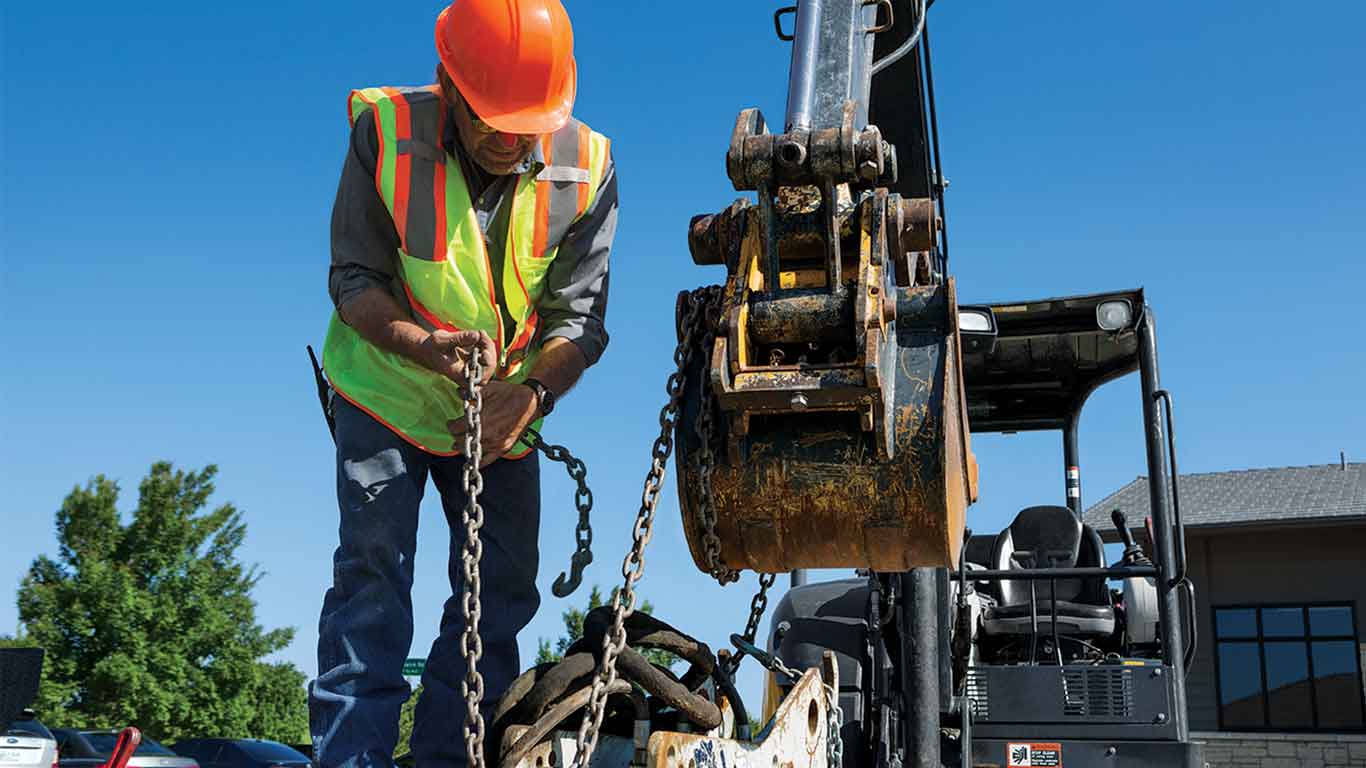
1033	754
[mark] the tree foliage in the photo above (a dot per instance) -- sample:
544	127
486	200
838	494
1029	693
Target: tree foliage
152	622
573	630
406	716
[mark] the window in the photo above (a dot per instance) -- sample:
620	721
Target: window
271	751
29	727
104	744
1288	668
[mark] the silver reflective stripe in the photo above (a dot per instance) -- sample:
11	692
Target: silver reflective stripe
423	150
563	173
564	193
428	153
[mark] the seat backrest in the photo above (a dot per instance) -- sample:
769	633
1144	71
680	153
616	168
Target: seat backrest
1046	537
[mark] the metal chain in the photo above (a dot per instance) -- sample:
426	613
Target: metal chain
705	462
583	501
473	484
834	718
633	567
772	663
757	605
834	715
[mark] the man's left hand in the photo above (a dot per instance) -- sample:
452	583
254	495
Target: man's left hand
508	409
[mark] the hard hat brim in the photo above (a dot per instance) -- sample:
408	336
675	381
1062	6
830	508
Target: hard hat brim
534	120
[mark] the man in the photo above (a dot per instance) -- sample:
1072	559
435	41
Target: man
473	214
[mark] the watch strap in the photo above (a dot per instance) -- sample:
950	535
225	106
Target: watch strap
545	399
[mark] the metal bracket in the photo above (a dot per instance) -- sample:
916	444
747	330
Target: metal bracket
838	155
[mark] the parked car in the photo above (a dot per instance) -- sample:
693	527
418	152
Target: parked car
28	743
241	753
87	749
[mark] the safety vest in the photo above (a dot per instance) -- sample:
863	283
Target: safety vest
444	264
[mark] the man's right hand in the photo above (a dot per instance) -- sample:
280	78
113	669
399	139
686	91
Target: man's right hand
377	317
446	352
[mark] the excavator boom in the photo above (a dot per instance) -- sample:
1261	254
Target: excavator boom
829	427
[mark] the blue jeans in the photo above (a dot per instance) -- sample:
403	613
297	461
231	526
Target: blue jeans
366	626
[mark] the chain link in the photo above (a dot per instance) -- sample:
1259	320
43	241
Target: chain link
583	502
834	718
705	461
473	484
757	605
834	715
624	599
697	331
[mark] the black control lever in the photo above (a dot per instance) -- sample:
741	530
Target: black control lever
1133	552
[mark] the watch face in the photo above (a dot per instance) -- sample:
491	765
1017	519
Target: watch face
545	399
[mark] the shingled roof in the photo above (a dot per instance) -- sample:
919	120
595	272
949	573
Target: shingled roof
1248	497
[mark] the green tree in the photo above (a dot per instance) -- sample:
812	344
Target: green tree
573	630
152	622
405	723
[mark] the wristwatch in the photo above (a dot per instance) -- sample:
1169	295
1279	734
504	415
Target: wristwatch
545	399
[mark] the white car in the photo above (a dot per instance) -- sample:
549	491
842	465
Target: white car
28	743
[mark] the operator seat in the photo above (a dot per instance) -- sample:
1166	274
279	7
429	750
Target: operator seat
1049	537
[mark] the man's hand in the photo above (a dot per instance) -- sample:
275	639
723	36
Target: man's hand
508	409
447	351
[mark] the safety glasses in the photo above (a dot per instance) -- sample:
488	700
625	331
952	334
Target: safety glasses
479	125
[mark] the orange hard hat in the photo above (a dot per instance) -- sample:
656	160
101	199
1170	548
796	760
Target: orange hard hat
513	61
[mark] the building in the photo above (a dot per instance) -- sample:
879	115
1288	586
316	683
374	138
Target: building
1278	561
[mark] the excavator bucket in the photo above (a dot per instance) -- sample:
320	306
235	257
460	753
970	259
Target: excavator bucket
825	424
824	421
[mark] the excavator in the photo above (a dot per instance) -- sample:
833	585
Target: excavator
822	412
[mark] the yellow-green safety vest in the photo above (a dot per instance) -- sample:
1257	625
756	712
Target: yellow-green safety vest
444	265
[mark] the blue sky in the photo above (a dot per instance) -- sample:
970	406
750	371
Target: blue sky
168	171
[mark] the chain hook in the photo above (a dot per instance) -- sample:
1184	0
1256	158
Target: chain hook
564	586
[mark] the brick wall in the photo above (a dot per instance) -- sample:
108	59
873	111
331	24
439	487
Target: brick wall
1283	750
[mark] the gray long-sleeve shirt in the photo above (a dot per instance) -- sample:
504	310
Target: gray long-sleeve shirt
365	243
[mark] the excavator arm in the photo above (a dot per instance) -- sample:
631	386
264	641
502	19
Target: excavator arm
818	412
828	427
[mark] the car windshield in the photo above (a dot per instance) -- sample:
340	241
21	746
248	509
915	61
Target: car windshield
104	744
272	751
29	728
